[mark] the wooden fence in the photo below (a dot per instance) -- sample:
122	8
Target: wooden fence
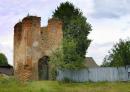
95	74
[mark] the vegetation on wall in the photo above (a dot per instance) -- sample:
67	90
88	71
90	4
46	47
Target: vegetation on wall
3	59
119	54
55	62
75	32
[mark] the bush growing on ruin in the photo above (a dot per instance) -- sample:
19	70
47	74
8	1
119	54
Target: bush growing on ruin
55	62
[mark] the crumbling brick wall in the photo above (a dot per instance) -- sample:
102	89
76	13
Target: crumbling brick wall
31	42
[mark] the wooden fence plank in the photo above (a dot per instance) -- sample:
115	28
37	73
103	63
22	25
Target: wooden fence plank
94	74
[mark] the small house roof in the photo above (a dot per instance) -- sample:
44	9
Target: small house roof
6	69
89	62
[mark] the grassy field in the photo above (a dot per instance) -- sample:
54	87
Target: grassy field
11	85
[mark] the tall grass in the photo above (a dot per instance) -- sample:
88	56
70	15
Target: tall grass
10	84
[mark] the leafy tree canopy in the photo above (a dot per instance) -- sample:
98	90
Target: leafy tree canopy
119	54
66	11
3	59
75	30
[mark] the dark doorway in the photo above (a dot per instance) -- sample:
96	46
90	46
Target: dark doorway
43	67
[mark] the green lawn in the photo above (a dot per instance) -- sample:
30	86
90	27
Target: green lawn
11	85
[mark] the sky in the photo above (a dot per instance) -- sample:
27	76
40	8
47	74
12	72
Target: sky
110	21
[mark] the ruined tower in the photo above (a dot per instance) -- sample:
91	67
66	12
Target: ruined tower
33	45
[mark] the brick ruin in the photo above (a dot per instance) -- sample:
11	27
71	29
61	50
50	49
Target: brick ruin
33	45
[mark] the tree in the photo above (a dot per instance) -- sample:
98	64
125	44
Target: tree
3	59
106	62
120	54
72	59
75	29
66	11
78	30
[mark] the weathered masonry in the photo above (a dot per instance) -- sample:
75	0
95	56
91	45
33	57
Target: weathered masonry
33	45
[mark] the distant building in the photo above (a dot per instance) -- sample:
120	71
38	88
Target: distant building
6	69
90	63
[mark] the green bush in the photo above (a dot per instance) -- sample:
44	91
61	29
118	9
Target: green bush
3	59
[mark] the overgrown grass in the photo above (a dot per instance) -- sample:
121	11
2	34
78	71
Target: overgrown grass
12	85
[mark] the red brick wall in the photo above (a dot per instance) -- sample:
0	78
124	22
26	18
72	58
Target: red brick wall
31	42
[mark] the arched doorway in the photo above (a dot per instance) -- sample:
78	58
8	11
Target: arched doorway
43	68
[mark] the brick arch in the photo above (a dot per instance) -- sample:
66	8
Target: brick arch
43	68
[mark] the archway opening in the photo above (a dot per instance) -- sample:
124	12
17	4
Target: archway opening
43	68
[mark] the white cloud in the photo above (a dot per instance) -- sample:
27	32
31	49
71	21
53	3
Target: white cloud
7	50
98	51
86	6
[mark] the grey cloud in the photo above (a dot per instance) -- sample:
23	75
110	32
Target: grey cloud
111	8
